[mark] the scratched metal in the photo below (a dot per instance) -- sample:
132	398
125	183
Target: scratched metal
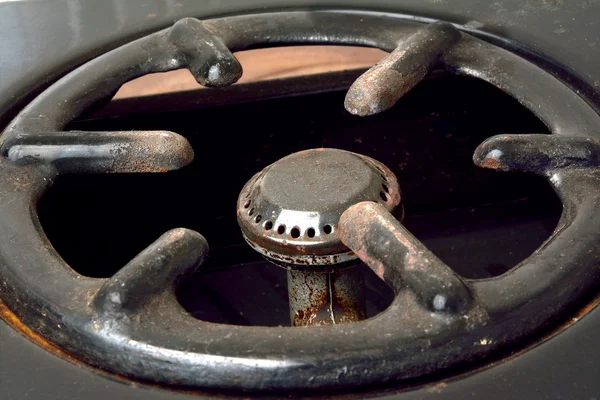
103	152
132	325
382	85
321	298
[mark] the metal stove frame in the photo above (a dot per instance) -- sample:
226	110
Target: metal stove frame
132	325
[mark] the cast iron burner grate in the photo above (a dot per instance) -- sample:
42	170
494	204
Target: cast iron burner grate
132	324
477	221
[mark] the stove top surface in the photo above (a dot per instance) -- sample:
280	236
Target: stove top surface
556	32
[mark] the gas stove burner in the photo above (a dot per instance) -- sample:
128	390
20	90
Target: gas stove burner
132	324
290	210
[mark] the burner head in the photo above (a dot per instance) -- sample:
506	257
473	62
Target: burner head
289	211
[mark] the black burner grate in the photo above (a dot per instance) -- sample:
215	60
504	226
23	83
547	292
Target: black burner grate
132	324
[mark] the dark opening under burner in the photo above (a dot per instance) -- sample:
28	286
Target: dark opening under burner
479	222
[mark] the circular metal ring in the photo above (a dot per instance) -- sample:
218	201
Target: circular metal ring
132	325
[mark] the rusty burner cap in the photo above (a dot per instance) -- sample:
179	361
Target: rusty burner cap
289	211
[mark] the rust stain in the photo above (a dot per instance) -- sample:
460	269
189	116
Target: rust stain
19	183
13	321
561	328
579	314
150	15
309	299
348	296
438	387
380	272
490	163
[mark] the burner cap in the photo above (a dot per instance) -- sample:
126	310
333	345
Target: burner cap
289	211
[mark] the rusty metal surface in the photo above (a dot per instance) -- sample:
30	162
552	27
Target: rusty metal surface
289	213
530	153
382	85
321	298
290	210
155	340
187	44
307	262
399	259
170	259
348	295
310	298
103	152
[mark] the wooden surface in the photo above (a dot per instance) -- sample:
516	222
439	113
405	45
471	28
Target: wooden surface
263	64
